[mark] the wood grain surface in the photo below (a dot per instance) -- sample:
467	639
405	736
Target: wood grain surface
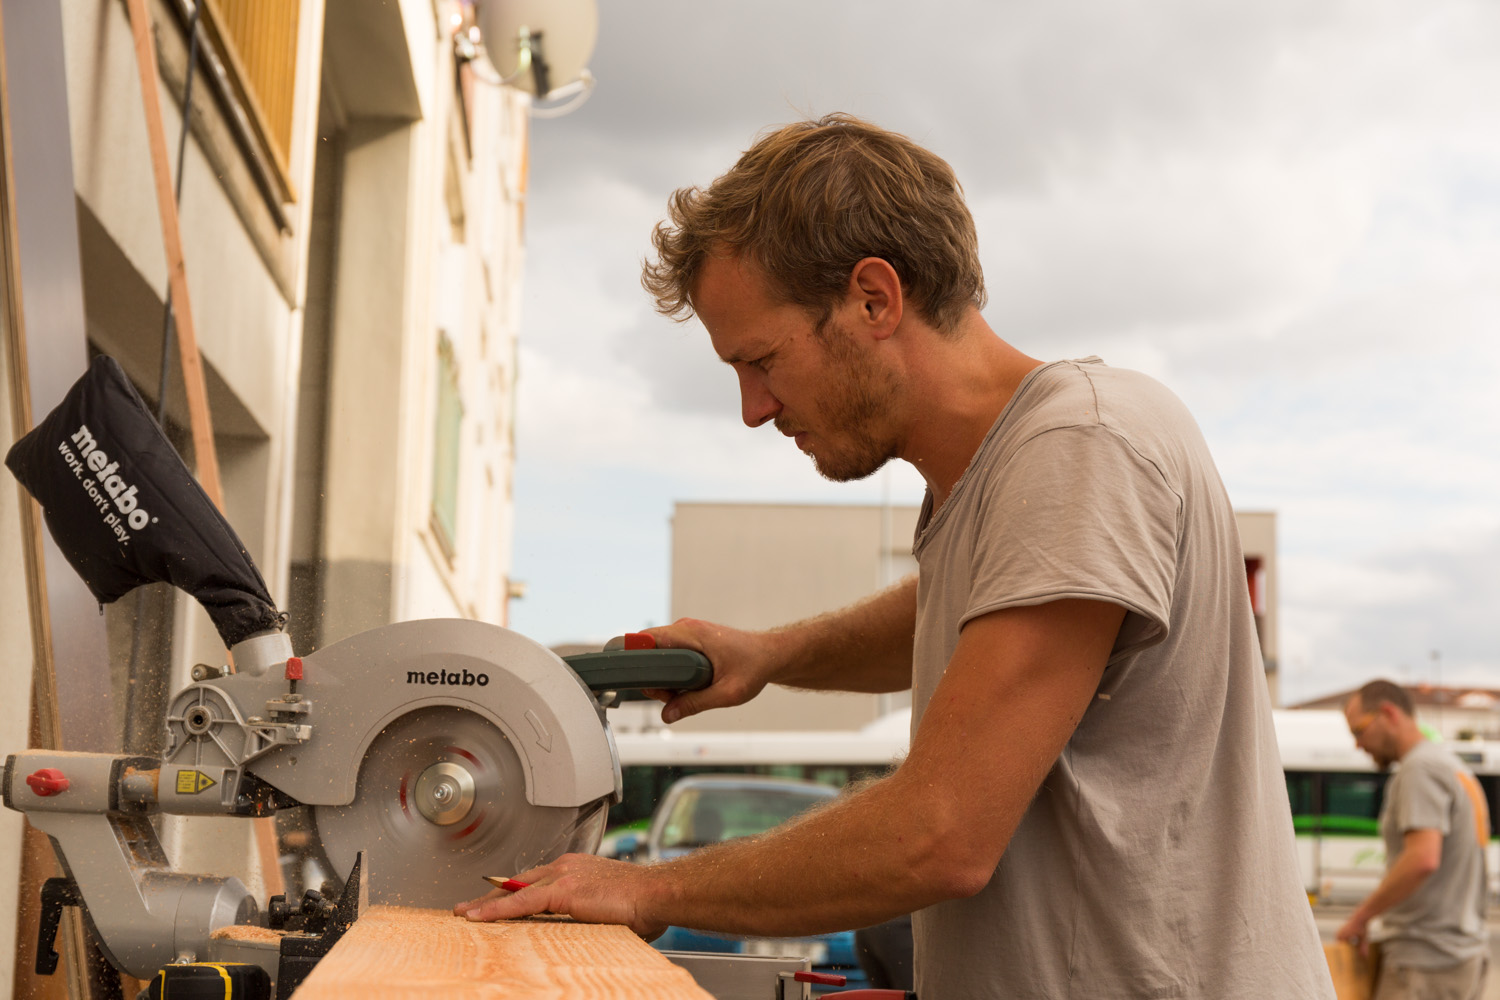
397	952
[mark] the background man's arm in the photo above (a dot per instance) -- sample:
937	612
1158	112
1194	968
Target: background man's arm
864	647
1421	854
1014	691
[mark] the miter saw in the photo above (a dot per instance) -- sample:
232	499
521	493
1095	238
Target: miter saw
437	752
431	753
441	750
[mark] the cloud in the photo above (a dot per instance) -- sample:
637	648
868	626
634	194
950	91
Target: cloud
1387	615
1288	212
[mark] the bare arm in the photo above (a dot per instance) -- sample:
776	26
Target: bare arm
864	647
1016	688
1421	853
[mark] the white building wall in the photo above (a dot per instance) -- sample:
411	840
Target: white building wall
473	246
247	318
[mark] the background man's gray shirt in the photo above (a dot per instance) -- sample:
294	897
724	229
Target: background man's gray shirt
1157	859
1442	923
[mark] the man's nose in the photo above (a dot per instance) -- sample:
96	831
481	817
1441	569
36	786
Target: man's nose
757	404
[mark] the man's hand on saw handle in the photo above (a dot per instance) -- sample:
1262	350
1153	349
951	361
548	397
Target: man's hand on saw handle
744	663
587	888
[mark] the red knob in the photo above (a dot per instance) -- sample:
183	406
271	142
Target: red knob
640	640
294	668
820	978
47	781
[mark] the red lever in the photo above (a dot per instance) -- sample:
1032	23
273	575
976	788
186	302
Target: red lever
640	640
820	978
294	668
47	781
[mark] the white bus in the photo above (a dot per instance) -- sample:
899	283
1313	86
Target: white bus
1334	789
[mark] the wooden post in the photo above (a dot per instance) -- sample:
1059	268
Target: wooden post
205	455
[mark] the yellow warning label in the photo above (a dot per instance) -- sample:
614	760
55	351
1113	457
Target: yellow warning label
193	782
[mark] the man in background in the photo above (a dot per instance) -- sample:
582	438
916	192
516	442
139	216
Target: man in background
1435	825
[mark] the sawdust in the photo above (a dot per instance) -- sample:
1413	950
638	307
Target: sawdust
245	932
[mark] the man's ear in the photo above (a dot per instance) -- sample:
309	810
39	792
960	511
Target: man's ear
875	290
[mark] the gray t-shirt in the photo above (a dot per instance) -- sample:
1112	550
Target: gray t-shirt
1442	923
1157	859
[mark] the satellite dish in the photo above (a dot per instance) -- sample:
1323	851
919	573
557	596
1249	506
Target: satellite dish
539	46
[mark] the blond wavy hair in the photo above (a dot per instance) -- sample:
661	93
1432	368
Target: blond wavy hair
810	200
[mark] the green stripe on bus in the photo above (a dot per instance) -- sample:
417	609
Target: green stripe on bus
1355	825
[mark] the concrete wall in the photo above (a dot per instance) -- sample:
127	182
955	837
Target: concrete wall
1258	540
762	565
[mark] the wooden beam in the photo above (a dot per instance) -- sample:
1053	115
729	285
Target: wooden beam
205	455
395	952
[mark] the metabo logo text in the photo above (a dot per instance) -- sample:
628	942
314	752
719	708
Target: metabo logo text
103	483
458	677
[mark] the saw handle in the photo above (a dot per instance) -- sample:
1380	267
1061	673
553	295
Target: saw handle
630	671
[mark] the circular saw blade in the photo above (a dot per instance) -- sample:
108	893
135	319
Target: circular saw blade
414	860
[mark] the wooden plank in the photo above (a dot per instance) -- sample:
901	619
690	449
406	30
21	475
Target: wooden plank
395	952
1352	976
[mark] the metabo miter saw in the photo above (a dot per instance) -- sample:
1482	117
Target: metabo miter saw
432	753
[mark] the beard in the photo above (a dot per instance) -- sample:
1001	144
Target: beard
855	444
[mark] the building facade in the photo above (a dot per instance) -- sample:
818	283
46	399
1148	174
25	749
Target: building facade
352	200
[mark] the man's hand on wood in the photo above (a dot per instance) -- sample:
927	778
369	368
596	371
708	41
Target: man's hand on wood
587	888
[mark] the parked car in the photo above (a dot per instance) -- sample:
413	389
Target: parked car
705	809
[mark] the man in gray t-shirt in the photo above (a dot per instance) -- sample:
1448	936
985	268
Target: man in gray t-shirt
1435	823
1092	806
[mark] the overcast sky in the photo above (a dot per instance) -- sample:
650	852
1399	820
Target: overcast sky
1289	212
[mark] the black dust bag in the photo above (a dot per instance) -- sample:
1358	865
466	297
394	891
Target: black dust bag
126	511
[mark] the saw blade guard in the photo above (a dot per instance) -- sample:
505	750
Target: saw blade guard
446	749
357	687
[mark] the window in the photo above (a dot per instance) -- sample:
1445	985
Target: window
1351	803
1299	790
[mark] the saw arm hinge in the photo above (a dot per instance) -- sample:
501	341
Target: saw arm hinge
205	727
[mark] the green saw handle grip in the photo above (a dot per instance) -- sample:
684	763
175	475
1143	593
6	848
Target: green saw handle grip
629	671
